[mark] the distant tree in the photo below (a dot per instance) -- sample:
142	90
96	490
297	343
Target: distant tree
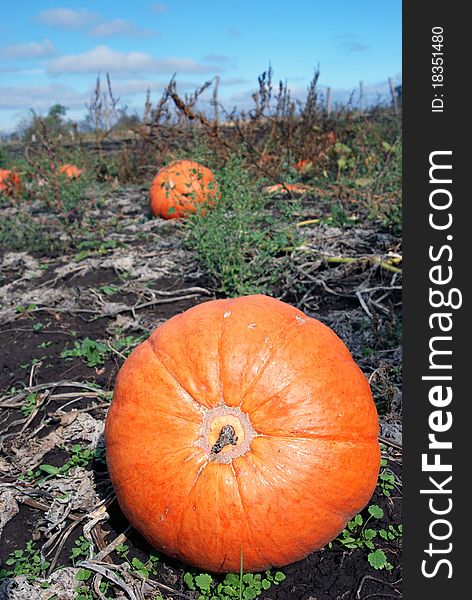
54	121
55	115
126	121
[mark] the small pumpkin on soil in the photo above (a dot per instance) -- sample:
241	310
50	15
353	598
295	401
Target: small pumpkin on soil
241	427
10	182
178	188
71	171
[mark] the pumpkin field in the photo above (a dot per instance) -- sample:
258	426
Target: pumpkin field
286	201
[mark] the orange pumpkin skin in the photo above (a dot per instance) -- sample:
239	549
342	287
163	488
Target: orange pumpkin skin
72	171
10	182
179	187
307	456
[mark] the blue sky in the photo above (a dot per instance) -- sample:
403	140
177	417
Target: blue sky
51	52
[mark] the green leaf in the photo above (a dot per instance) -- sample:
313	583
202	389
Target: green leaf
375	511
21	309
108	290
249	594
188	580
49	469
383	534
358	520
225	589
143	572
82	255
369	534
279	576
377	559
348	540
203	581
83	575
136	563
231	579
123	549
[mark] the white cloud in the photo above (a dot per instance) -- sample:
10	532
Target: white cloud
41	97
18	71
66	18
130	87
28	50
123	27
102	58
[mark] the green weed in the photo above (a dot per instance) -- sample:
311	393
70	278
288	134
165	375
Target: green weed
80	457
238	240
358	535
26	561
245	586
145	569
386	479
92	352
23	233
93	247
80	549
29	404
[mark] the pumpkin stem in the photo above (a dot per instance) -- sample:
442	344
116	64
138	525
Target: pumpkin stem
225	438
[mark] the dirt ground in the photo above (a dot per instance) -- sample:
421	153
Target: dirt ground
54	394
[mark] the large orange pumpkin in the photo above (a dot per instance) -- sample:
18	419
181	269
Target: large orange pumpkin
179	187
71	171
242	428
10	182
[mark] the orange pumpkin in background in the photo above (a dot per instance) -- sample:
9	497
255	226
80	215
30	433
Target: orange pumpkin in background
178	188
241	427
303	165
71	171
10	182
